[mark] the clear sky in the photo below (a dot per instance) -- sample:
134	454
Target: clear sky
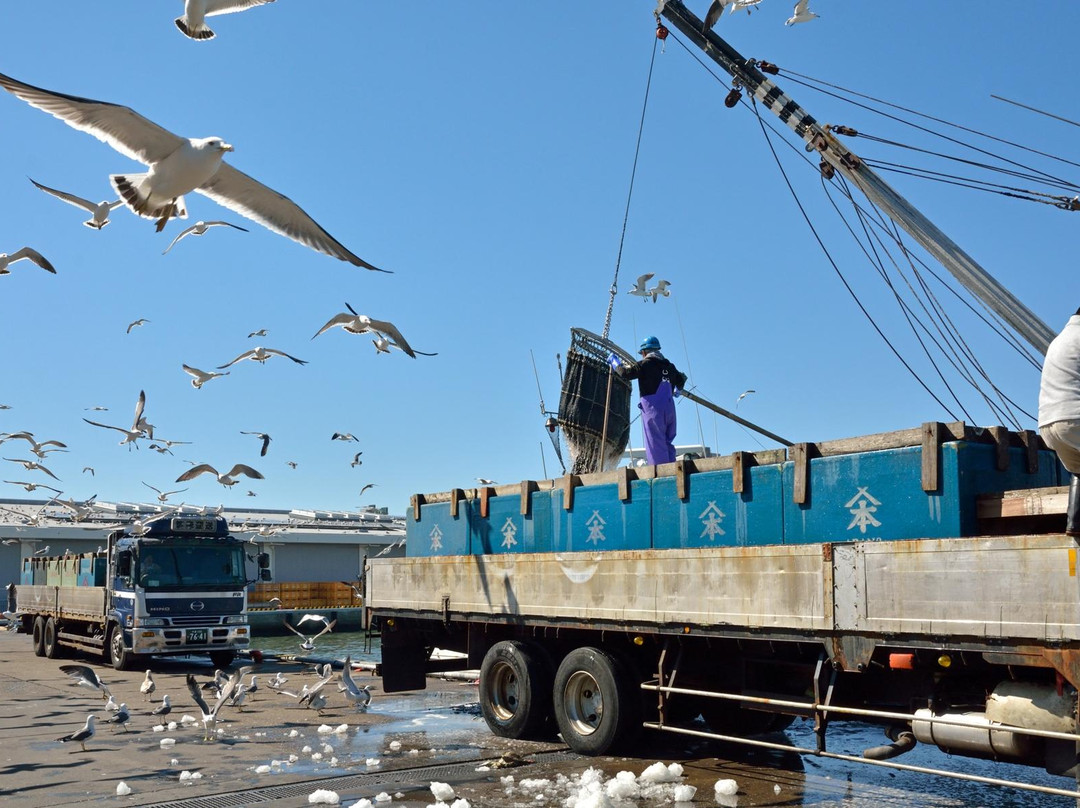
483	152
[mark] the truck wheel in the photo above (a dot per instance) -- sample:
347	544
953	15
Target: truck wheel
120	657
39	636
222	659
596	703
51	644
515	689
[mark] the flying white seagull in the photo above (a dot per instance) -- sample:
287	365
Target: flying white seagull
200	377
660	290
739	5
32	465
28	253
261	436
200	228
715	12
136	324
227	479
360	324
802	13
261	354
308	643
260	333
639	289
140	428
178	166
163	497
384	344
99	211
86	677
192	24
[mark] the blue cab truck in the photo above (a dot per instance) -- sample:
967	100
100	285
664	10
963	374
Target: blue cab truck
176	585
919	580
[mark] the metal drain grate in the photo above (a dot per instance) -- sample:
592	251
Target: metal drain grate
464	769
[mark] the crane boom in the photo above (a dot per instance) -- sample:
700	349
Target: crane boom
962	266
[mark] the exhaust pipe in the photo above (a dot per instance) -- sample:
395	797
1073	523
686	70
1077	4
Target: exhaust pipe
903	740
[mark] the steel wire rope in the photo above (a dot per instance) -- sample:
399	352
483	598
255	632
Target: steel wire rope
951	345
809	84
629	196
967	182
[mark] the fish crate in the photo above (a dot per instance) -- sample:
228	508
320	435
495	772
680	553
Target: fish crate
34	572
92	570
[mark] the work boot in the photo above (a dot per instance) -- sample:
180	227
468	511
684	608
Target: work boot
1072	516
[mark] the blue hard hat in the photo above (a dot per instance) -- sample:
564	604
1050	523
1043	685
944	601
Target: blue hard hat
650	343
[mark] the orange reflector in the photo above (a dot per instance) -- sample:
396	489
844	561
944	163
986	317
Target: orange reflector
902	662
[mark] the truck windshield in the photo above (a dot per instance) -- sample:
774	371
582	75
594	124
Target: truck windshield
190	566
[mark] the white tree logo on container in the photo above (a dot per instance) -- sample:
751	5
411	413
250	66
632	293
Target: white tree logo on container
509	531
436	538
711	518
862	508
595	524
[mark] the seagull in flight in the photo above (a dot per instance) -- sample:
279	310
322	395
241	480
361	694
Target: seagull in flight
260	333
360	324
715	12
38	448
359	696
99	211
33	486
163	496
802	13
178	166
345	436
228	479
743	395
366	487
200	228
140	428
261	354
136	324
28	253
308	643
31	465
739	5
210	714
261	436
356	461
660	290
192	24
200	377
86	677
384	344
639	289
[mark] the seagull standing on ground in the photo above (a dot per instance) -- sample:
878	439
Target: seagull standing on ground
99	212
148	685
26	252
200	377
178	166
120	717
200	228
82	735
192	24
261	354
227	479
162	709
360	324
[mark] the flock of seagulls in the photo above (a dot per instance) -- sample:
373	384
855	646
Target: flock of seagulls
801	13
642	289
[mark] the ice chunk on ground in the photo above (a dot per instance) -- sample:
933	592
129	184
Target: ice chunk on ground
623	786
322	796
442	791
382	796
661	773
168	742
264	769
325	729
684	793
460	802
727	793
395	746
363	802
122	789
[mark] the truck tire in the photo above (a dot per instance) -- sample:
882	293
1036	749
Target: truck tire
515	689
120	657
222	659
597	704
50	642
39	636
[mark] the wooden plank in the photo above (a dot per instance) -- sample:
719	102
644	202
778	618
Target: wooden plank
740	468
624	484
683	469
1031	502
486	493
527	487
1001	436
568	484
932	432
800	455
455	497
417	501
899	439
1031	450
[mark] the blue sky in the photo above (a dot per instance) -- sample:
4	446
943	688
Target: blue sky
483	153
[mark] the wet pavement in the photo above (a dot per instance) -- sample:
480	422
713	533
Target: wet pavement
277	753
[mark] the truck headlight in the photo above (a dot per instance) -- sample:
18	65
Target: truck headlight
151	622
235	619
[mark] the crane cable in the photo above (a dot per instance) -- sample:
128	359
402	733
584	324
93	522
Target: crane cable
630	193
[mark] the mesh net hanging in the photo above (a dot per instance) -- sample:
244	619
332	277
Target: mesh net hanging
585	400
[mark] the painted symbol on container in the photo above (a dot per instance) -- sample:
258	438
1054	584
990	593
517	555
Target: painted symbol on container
711	518
509	531
436	538
595	524
862	508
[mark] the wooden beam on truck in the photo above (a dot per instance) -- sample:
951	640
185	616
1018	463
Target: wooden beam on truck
1030	502
1031	441
931	455
527	488
1001	436
456	495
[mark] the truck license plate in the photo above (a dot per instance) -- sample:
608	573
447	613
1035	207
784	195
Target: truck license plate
195	635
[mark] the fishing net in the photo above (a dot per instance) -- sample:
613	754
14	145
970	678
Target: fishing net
585	400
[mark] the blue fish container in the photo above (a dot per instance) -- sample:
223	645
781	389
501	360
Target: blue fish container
507	530
878	495
599	520
437	533
91	570
714	515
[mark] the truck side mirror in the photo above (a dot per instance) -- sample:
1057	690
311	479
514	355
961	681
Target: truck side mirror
263	560
123	564
264	575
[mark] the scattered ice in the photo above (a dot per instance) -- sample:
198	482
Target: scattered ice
187	720
624	786
316	755
168	743
684	793
341	729
293	733
159	727
171	726
174	762
483	768
776	788
414	752
373	761
333	761
264	769
460	802
327	749
364	802
659	773
186	775
293	758
382	796
727	793
322	796
122	789
395	746
325	729
442	791
306	750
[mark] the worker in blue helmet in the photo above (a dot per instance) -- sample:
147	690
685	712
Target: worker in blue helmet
658	383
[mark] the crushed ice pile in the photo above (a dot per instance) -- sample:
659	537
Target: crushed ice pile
658	783
322	796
